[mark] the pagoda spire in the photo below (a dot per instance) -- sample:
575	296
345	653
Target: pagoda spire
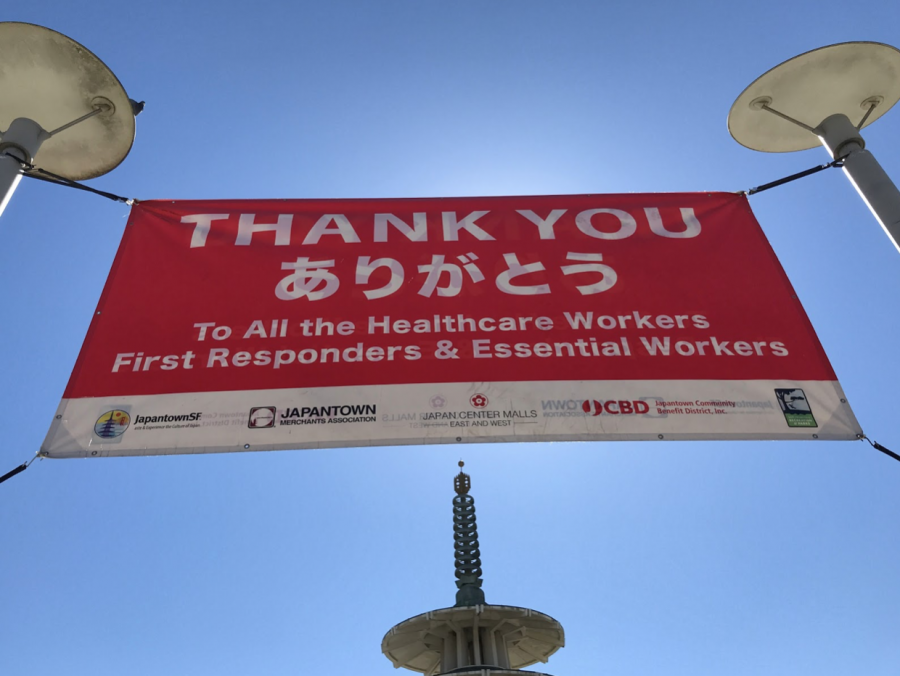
465	543
472	638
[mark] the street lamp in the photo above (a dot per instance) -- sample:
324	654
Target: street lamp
58	98
826	96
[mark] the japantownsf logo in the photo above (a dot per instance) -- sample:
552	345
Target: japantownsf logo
112	424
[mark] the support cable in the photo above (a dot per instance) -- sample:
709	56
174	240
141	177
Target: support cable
879	447
793	177
32	171
18	470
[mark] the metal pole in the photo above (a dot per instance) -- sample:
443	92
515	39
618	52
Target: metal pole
21	141
842	139
10	175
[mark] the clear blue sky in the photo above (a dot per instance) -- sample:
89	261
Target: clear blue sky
658	558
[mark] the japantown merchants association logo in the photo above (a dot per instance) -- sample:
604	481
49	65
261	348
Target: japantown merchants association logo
112	424
261	417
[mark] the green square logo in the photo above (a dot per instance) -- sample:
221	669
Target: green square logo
795	407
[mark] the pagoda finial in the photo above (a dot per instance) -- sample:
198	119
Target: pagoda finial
465	543
462	482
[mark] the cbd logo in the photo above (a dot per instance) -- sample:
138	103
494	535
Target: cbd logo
612	407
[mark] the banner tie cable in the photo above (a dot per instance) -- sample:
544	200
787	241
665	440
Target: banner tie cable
793	177
32	171
18	470
879	447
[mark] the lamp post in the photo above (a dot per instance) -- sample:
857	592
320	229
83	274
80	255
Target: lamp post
814	98
58	98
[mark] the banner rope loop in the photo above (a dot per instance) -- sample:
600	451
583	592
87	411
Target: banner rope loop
793	177
18	470
32	171
879	447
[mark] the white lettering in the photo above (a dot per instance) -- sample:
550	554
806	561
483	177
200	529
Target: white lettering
247	225
545	226
691	224
452	226
627	224
417	233
201	229
342	228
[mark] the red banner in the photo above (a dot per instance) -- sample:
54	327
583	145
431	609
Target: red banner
392	310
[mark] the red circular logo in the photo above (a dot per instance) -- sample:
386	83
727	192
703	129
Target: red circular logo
478	401
592	407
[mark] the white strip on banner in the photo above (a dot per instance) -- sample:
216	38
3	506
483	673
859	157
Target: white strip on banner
209	422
